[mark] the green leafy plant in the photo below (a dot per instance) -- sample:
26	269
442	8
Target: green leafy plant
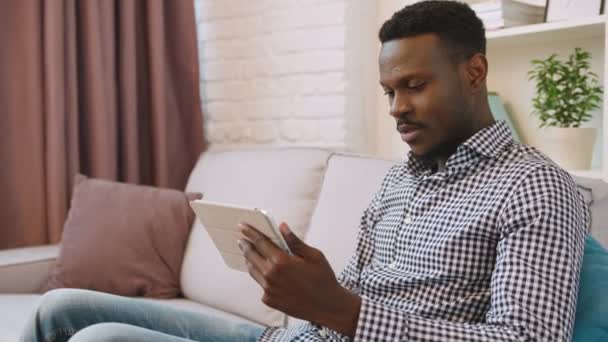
566	92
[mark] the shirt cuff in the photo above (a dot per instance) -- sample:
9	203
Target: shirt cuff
272	334
380	323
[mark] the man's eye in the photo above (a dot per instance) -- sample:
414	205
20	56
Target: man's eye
417	86
388	93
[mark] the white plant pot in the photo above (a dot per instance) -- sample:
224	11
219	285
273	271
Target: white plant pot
570	148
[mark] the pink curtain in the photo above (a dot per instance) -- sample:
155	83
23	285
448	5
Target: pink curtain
106	88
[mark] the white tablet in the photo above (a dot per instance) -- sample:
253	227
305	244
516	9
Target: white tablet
221	221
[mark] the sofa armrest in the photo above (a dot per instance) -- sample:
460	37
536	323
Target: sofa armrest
25	270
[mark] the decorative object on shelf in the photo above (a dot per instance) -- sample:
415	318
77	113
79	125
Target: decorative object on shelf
500	113
567	92
497	14
569	9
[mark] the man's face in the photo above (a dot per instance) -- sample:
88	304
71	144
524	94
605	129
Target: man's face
426	93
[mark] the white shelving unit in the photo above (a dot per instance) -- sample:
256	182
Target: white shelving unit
563	31
510	52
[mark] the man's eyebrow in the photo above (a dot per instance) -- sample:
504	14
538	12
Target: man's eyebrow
403	79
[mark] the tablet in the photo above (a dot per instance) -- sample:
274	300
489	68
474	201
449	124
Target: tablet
221	221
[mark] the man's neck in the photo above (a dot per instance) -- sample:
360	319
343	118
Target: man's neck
441	160
441	164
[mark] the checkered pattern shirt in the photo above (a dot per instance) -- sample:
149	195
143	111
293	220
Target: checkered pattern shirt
488	249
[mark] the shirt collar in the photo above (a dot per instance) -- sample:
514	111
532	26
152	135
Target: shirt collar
488	142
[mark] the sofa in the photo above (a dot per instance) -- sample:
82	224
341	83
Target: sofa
320	193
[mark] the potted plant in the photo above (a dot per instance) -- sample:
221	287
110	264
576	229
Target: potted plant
567	92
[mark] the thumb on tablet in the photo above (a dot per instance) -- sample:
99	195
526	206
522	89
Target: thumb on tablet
296	245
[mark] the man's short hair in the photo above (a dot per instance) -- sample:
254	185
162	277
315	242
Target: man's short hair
454	22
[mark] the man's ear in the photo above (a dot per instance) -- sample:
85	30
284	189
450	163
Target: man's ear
476	71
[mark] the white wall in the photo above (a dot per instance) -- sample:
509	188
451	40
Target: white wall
305	73
286	72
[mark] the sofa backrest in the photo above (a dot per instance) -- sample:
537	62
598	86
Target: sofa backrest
320	194
284	182
349	184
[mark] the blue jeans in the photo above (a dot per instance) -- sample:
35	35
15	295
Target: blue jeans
93	316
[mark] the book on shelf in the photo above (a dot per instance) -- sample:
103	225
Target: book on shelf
500	113
497	14
569	9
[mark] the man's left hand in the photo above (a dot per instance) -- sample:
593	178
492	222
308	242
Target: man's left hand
302	285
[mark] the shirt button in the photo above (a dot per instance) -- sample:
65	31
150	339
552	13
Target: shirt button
323	332
408	219
392	264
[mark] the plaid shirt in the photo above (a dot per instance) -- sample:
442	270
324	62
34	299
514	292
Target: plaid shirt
487	250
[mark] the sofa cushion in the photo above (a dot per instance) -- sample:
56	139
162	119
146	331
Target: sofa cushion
284	182
349	184
124	239
14	313
16	309
592	308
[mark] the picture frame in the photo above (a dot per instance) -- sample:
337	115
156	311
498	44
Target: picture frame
558	10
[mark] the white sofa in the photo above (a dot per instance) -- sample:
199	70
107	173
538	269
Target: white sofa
319	193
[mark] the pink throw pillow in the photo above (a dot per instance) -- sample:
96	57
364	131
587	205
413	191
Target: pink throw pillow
123	239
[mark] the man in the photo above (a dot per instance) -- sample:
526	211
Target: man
474	238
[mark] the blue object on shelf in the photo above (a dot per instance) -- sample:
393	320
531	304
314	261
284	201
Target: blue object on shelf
500	113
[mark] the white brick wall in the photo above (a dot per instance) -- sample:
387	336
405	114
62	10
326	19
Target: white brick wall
284	72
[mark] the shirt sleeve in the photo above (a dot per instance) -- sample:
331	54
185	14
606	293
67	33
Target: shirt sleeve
534	284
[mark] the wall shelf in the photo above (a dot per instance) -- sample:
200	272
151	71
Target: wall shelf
541	33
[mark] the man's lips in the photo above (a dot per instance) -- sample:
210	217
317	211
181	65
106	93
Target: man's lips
409	133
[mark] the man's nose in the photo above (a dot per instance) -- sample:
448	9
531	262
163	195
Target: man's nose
401	105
